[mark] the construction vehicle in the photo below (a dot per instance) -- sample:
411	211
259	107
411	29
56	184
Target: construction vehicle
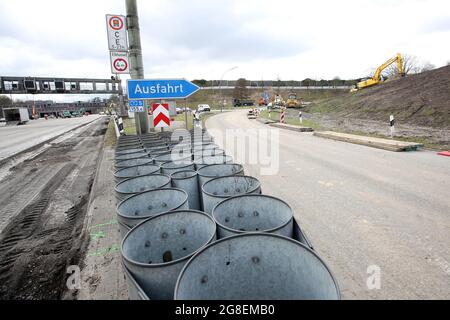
376	79
278	101
292	101
16	115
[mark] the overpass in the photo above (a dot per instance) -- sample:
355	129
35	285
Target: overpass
51	85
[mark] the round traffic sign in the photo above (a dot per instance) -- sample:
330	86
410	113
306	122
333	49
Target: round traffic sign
120	65
116	23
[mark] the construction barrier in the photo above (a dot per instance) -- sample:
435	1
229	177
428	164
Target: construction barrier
212	171
134	162
157	249
135	185
253	213
218	189
256	266
135	171
141	206
187	180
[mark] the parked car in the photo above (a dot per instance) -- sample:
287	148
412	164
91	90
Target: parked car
203	108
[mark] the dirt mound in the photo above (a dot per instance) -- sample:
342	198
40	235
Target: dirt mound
421	99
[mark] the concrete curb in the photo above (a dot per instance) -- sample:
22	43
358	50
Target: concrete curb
379	143
291	127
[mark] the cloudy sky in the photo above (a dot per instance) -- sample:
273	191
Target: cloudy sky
203	38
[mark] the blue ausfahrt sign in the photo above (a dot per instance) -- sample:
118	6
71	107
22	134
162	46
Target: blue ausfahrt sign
160	89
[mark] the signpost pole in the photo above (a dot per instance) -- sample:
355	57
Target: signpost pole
185	114
136	64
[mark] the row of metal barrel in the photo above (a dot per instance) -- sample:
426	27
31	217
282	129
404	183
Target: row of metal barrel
194	226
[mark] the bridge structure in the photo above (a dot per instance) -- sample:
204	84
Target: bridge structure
43	108
51	85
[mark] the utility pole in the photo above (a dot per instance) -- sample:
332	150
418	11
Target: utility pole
135	57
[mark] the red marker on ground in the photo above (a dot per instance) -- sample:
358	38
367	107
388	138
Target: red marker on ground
444	153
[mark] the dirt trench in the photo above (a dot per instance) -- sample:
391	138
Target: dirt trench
44	202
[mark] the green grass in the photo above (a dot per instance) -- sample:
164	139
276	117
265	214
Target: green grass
110	136
129	126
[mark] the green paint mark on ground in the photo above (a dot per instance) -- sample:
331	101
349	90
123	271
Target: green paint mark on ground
111	222
97	235
103	251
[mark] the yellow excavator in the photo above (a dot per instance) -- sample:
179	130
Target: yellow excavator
292	101
376	79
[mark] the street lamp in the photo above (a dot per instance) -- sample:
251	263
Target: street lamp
220	85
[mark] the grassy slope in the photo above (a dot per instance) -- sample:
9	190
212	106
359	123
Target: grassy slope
422	99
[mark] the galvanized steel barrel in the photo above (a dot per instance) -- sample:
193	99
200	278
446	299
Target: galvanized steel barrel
205	161
175	166
173	156
253	213
131	156
136	171
131	186
135	291
208	153
256	266
134	162
128	151
141	206
156	250
187	180
218	189
212	171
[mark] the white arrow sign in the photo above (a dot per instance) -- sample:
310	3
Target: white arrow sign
161	116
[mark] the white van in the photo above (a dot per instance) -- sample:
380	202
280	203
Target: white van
203	108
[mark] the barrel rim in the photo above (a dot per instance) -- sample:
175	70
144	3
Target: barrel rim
143	155
181	167
219	164
253	234
121	215
136	177
194	173
252	195
118	164
139	165
224	156
166	264
236	176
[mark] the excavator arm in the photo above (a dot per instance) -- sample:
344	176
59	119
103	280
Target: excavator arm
376	79
398	59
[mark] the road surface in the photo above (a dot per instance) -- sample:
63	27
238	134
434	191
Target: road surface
365	210
15	139
44	199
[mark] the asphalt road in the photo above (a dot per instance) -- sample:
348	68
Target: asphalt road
362	207
14	139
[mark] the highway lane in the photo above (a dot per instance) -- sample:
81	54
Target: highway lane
362	209
14	139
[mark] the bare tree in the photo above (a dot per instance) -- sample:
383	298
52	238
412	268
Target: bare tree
411	65
241	90
427	66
